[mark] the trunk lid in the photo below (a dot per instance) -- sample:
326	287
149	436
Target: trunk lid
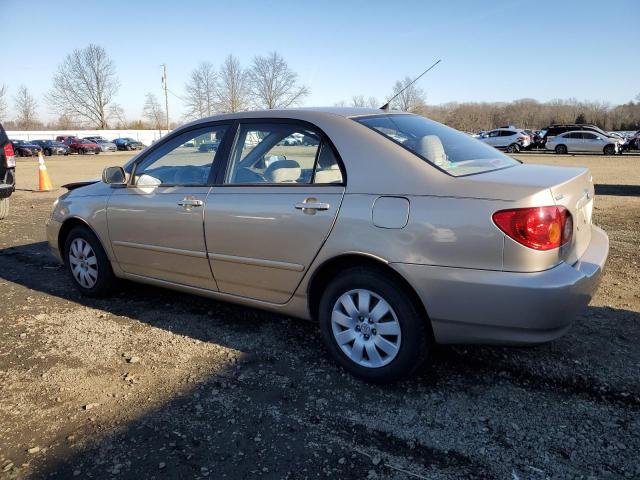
571	187
576	195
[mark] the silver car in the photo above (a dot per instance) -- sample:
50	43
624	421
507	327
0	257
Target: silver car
390	230
583	141
510	139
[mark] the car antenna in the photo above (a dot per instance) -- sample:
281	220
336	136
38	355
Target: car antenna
385	107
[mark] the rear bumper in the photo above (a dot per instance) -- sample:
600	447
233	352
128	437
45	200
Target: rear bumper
493	307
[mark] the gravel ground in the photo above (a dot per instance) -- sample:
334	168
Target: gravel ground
157	384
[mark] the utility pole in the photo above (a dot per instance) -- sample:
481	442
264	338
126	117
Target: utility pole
166	97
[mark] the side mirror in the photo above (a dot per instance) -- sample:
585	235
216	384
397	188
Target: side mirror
114	176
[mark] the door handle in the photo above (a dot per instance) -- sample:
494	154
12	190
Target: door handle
189	202
311	205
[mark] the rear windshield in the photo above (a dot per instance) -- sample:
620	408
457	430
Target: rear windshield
450	150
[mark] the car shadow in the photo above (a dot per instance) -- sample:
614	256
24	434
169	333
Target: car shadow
282	378
618	190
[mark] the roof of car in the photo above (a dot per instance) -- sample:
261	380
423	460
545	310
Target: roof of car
302	113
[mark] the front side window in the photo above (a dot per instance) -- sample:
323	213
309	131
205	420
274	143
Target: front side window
450	150
589	136
181	161
281	153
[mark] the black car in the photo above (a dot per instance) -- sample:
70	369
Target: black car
555	130
51	147
208	146
7	172
128	144
23	148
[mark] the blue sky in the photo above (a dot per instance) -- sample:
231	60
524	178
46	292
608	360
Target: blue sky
491	51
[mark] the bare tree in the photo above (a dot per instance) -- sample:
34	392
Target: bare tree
273	84
201	91
84	85
3	101
153	112
25	106
232	94
116	112
411	100
358	101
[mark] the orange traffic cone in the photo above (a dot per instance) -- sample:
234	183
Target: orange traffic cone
43	176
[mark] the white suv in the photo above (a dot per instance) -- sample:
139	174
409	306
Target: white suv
511	139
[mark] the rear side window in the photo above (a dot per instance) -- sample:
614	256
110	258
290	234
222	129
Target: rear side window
281	154
452	151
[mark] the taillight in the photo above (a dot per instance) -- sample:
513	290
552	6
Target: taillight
9	156
540	228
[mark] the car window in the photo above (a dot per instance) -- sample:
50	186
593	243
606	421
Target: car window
277	153
450	150
589	136
507	133
495	133
181	161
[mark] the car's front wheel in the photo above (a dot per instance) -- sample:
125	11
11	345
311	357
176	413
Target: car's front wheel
88	263
372	326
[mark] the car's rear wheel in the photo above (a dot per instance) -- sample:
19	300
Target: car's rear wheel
372	326
561	149
4	207
609	150
87	263
513	148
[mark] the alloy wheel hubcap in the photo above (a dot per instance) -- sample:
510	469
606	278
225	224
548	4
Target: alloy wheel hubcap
83	262
366	328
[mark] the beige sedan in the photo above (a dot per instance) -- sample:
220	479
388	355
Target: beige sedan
390	230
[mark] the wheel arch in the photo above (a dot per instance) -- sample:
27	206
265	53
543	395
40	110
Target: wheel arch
333	266
68	225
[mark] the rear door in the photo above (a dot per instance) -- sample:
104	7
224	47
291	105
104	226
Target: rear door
156	223
573	141
275	208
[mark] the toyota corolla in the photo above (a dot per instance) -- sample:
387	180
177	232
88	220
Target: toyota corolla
392	231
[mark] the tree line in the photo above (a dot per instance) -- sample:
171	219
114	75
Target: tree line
85	84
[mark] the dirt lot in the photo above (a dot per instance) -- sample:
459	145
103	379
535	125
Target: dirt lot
155	384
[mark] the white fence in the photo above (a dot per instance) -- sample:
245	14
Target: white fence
145	136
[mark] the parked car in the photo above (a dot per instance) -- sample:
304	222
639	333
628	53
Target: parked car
63	138
7	172
209	146
631	143
104	144
128	144
51	147
23	148
81	146
390	230
554	130
510	139
582	141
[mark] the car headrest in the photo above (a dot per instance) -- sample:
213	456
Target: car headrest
431	148
283	171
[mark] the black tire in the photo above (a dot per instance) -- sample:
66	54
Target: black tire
47	152
609	150
105	283
415	332
561	149
4	207
513	148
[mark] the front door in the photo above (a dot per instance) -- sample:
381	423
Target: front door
264	226
156	222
